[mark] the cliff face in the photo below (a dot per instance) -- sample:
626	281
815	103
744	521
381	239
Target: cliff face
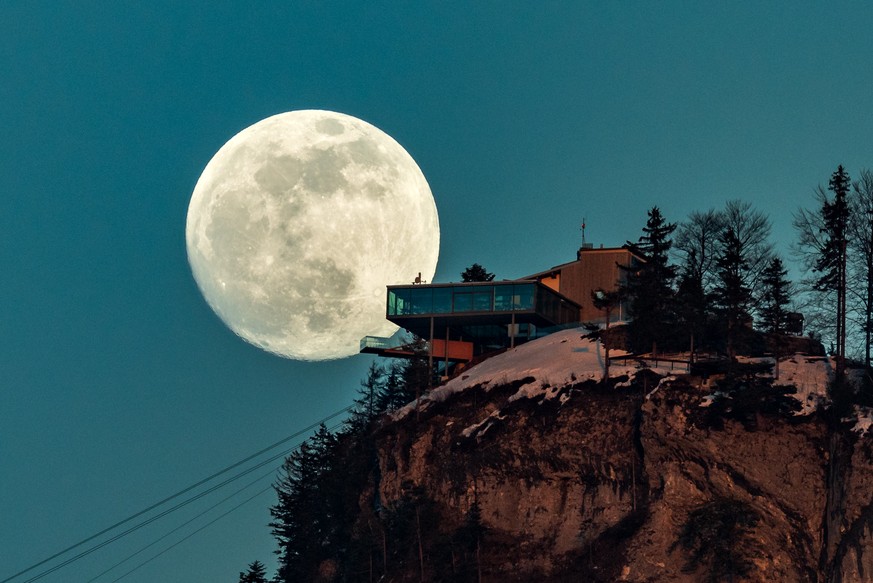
778	467
641	482
850	513
525	468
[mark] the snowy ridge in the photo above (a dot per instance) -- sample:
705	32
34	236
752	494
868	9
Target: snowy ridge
554	362
567	357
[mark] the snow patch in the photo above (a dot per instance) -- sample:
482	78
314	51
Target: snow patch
668	379
483	426
863	420
811	375
565	358
554	362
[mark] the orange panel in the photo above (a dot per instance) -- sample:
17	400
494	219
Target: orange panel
457	350
553	282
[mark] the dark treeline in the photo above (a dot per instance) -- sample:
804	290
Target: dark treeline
704	282
325	528
710	281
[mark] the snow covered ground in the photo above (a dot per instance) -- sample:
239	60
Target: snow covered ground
811	375
554	362
566	358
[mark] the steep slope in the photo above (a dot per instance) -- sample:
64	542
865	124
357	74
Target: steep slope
579	482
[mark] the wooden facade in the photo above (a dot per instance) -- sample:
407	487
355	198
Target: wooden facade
593	269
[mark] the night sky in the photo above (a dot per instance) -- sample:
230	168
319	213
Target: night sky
119	386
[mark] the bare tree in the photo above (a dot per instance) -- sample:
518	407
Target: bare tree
696	244
606	302
817	305
752	230
861	257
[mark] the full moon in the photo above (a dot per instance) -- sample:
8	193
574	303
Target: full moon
299	222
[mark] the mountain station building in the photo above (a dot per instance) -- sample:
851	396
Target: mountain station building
460	321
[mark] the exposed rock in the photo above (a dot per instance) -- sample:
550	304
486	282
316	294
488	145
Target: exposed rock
582	483
658	477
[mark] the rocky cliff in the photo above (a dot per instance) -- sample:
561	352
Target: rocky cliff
655	476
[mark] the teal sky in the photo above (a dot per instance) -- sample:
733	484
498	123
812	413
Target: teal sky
119	386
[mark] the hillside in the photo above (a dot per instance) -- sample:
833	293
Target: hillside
659	477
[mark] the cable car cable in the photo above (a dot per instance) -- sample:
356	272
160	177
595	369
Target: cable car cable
168	499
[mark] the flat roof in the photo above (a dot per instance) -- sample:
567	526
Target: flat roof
585	251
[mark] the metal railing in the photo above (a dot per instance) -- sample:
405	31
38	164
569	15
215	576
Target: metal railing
377	342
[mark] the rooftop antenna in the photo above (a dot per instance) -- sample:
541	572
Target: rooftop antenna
585	244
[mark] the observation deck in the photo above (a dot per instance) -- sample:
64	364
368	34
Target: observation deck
489	314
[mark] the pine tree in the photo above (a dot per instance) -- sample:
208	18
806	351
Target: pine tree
774	303
775	297
649	288
304	518
367	405
394	393
732	296
471	535
417	372
412	524
831	262
476	273
295	522
257	573
693	302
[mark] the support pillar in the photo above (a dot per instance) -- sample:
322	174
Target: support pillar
512	332
446	370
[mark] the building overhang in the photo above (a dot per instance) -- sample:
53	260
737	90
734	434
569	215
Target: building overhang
477	309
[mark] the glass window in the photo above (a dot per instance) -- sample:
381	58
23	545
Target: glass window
482	297
442	300
503	298
392	302
422	300
463	302
401	305
523	296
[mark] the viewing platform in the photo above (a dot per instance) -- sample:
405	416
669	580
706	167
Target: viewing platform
487	314
458	351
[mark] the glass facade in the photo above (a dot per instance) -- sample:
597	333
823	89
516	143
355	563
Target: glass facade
472	299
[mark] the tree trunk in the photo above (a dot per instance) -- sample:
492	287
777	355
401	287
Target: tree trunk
776	353
868	307
691	350
606	349
420	547
478	559
841	313
384	552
